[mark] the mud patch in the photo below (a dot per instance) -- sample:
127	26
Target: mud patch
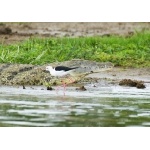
132	83
5	30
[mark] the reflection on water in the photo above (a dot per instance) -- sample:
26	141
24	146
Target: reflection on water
20	107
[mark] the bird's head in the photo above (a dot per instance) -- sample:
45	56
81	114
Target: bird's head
49	68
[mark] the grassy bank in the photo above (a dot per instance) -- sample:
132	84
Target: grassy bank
131	51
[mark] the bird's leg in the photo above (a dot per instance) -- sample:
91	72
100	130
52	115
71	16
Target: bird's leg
64	85
57	89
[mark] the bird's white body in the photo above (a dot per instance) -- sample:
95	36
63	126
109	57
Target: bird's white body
57	73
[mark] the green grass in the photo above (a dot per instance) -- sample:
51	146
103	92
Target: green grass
131	51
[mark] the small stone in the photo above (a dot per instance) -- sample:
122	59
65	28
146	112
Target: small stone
140	86
49	88
82	88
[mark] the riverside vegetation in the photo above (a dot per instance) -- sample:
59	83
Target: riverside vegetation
131	51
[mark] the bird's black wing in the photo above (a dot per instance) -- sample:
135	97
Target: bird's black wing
60	68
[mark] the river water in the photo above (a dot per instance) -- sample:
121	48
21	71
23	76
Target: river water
101	106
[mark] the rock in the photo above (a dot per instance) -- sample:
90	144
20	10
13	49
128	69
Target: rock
82	88
140	86
49	88
132	83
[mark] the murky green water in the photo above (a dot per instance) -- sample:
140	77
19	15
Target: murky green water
102	106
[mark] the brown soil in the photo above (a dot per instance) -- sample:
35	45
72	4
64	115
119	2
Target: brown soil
16	32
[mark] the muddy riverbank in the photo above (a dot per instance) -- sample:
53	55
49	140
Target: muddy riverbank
17	32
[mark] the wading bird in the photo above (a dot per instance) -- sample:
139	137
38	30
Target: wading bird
61	71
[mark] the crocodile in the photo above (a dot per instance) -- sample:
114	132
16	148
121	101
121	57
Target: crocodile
28	74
